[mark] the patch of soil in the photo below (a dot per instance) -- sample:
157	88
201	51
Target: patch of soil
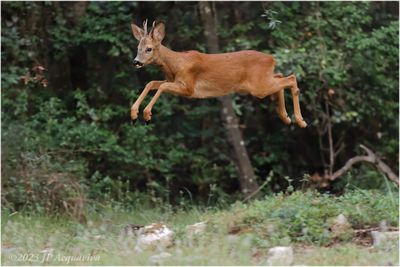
258	256
362	238
239	229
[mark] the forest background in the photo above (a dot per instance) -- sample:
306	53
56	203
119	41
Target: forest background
68	83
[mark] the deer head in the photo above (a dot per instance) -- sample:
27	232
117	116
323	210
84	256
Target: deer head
149	43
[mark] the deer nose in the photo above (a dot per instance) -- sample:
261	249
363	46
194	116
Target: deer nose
137	63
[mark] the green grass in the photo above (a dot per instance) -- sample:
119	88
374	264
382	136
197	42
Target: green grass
300	220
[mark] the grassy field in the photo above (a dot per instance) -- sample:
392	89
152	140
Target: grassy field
238	235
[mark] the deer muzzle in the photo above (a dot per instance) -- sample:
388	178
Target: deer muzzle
137	63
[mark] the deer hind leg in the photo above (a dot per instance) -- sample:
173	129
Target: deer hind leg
281	102
273	97
290	82
276	84
169	87
282	108
296	101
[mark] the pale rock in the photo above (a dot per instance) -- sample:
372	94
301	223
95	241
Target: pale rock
47	250
341	228
158	258
383	226
280	256
131	229
341	219
196	228
153	235
385	239
99	237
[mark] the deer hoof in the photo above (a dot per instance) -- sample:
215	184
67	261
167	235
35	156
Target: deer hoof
133	122
302	123
147	115
134	114
286	120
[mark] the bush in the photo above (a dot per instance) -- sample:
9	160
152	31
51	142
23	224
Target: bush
307	217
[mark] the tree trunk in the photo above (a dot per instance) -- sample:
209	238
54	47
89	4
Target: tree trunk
247	179
78	55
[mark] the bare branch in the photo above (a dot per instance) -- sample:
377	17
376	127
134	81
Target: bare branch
369	151
382	166
371	157
330	140
341	147
340	141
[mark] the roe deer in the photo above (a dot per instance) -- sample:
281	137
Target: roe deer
196	75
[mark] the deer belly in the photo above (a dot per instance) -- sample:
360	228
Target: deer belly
204	89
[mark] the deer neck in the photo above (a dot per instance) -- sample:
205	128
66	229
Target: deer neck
167	60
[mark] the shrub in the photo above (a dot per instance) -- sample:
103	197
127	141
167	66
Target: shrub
307	217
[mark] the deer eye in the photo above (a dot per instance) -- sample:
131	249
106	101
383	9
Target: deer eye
148	50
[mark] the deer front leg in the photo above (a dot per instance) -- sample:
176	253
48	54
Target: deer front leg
173	88
150	86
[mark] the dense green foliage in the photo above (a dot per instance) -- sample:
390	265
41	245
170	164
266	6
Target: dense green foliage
308	217
66	134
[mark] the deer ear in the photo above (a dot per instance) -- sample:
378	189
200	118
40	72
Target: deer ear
159	32
137	32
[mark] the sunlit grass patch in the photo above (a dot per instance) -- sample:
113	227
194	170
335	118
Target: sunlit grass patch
239	235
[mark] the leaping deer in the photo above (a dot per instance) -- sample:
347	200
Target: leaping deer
196	75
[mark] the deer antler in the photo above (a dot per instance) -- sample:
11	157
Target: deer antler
145	27
152	28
